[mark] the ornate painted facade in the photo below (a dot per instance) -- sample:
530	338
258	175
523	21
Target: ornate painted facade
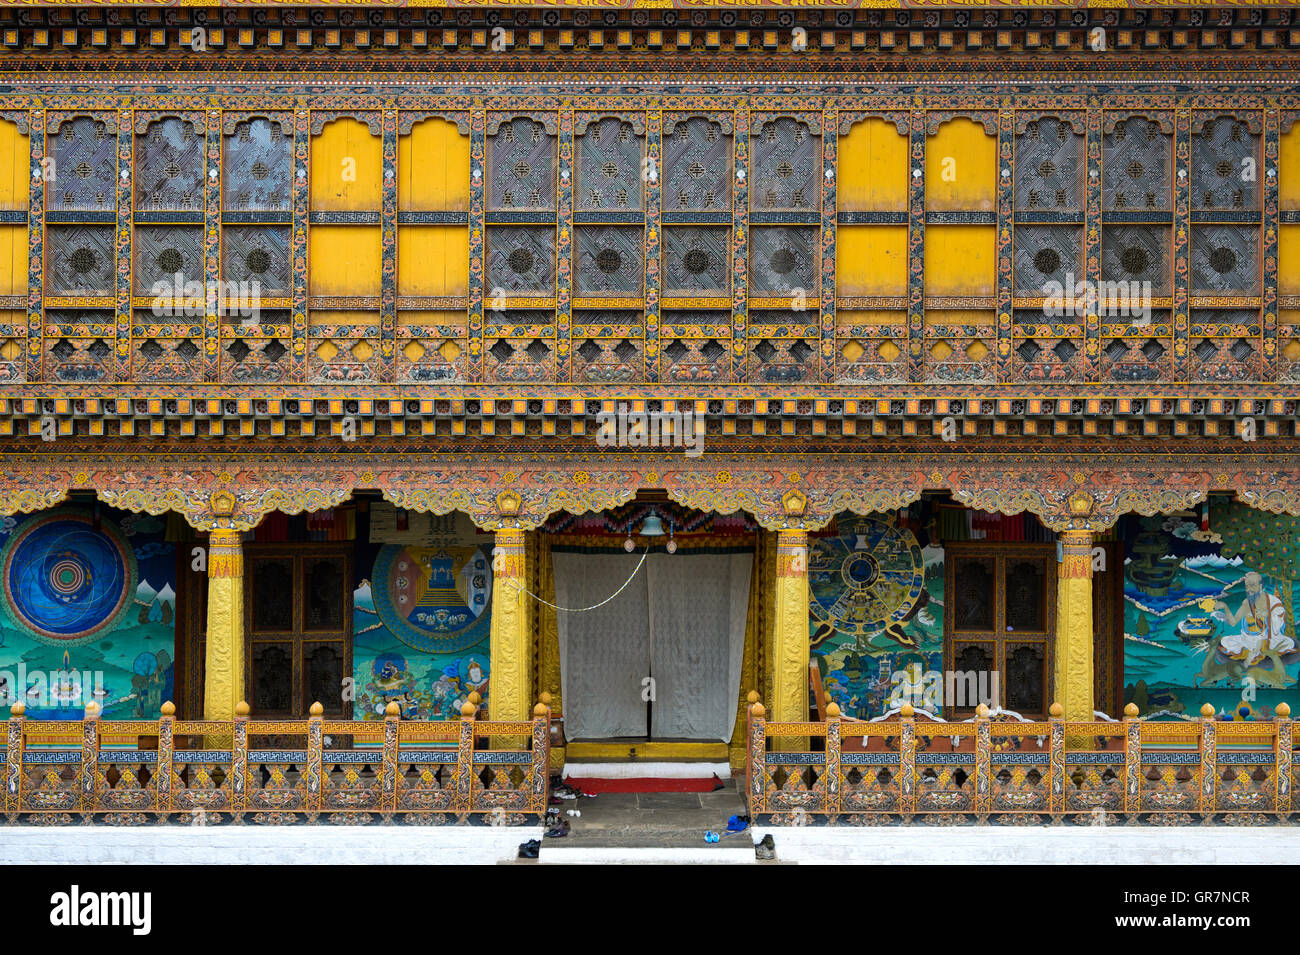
1035	260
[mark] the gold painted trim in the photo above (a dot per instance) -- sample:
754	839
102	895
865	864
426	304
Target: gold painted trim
646	750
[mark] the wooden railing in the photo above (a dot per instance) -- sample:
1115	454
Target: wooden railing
1099	772
273	772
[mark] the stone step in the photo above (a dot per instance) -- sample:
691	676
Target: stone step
645	855
649	837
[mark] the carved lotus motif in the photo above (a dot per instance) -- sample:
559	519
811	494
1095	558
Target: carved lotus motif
277	799
869	800
44	800
493	798
126	798
1170	799
1020	799
427	799
353	798
790	800
1244	799
1095	798
200	799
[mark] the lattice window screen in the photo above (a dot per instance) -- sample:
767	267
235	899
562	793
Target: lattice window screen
610	154
697	166
169	167
85	166
787	157
1225	165
521	166
1135	166
258	160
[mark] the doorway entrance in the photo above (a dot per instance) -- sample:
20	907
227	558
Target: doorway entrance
662	659
298	621
1001	624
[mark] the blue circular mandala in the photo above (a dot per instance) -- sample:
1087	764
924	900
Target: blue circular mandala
66	580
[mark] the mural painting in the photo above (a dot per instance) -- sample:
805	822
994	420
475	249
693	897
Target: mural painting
421	625
1209	612
875	609
89	614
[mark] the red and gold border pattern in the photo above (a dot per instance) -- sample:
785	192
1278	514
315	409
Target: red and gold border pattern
1067	492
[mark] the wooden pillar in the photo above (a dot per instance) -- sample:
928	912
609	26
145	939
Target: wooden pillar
790	628
1073	680
511	669
223	684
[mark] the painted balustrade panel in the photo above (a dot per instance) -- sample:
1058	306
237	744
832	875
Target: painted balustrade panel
1246	768
427	780
945	771
868	783
276	773
51	782
1020	768
1017	772
497	781
1170	768
124	782
202	784
1094	779
869	767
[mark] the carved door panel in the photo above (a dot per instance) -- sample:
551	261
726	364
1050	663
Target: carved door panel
298	626
999	627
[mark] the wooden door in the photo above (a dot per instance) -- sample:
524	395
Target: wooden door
999	624
298	626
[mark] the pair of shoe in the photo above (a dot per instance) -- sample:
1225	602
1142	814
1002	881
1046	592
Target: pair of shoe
556	832
766	849
711	836
737	823
529	849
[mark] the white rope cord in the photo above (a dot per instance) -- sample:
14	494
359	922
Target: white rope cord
593	606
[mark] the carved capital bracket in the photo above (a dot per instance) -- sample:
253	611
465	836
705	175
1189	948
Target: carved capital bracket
21	495
219	500
1077	499
500	499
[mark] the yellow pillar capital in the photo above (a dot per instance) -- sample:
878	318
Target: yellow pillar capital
1076	547
225	553
508	554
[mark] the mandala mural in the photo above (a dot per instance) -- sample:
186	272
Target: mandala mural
433	599
67	580
864	582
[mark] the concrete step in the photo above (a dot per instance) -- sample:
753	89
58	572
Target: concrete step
651	828
650	837
553	854
621	768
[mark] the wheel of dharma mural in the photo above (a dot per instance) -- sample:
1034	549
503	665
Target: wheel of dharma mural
864	582
67	580
433	599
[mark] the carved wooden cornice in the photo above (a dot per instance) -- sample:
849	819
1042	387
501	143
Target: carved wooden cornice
796	492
